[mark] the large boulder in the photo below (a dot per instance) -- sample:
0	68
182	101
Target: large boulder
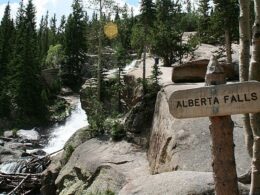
49	176
194	71
31	135
184	144
194	66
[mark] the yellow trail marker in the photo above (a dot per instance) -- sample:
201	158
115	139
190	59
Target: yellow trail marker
111	30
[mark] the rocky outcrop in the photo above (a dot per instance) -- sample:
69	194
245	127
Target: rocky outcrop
50	75
100	165
194	71
184	144
49	176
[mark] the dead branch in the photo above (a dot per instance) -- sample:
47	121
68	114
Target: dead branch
19	185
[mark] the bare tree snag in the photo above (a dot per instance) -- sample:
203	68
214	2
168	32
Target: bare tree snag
221	129
244	61
254	74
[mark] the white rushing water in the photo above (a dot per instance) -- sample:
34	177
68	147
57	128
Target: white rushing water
60	133
126	69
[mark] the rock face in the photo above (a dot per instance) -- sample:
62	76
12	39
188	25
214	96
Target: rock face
98	166
49	176
194	71
172	183
184	144
175	183
50	75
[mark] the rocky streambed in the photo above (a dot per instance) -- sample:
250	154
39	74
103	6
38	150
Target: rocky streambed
23	148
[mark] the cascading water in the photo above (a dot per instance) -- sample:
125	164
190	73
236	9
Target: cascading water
126	69
59	134
13	166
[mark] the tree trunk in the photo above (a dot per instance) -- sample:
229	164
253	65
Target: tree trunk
223	164
144	59
221	129
254	74
99	79
244	60
144	69
228	46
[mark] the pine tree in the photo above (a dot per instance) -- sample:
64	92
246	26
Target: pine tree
53	30
7	32
43	39
225	20
204	19
75	42
61	31
147	19
167	34
26	86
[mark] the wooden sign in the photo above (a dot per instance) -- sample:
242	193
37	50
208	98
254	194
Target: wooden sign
218	100
111	30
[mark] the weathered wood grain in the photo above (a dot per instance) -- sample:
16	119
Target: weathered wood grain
219	100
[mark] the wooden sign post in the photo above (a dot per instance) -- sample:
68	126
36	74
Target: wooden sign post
218	101
221	129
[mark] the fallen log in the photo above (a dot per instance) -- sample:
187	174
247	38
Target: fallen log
42	158
19	185
28	181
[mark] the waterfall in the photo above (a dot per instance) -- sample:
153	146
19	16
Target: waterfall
60	133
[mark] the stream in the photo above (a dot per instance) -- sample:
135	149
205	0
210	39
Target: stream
59	133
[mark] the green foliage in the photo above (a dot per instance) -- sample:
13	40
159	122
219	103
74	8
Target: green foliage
204	19
53	30
147	13
75	42
7	32
68	152
43	39
59	109
96	118
55	56
115	128
25	82
4	104
138	38
189	22
14	132
167	34
61	31
214	22
156	73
